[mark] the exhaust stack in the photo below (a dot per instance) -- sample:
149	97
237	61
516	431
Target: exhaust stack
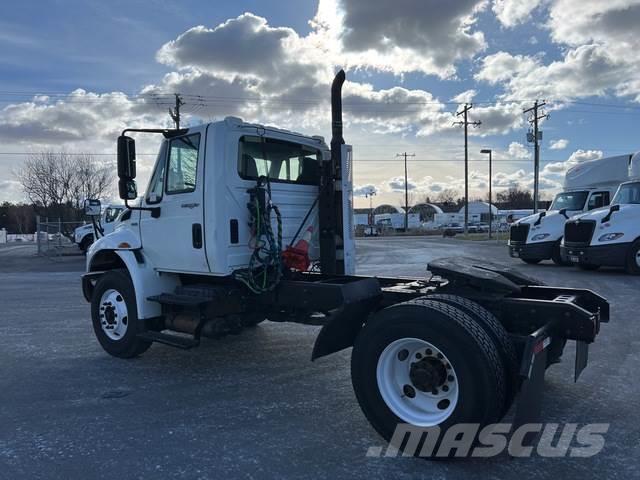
330	205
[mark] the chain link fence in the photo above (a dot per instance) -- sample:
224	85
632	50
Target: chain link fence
54	237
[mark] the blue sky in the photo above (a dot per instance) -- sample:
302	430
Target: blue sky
406	60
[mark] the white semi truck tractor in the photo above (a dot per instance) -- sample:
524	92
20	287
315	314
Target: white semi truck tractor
587	186
241	223
609	236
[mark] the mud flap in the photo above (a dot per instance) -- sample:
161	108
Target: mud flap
532	369
582	357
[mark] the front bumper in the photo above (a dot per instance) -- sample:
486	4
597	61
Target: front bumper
613	255
538	250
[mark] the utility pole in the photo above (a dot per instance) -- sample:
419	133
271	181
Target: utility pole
466	123
175	113
490	152
537	136
406	189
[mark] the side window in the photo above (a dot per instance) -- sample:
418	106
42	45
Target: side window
183	164
156	185
282	161
598	199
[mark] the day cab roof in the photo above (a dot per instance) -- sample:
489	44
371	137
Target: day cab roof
237	124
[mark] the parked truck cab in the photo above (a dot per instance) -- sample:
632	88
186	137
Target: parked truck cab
587	186
609	236
85	235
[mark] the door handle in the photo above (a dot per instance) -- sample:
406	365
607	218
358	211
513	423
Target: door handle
190	205
196	235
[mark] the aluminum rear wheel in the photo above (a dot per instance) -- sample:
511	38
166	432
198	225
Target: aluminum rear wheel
417	382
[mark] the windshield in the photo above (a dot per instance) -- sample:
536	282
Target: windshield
569	200
627	193
111	214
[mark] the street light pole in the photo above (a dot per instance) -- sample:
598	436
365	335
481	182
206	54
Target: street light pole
370	195
488	150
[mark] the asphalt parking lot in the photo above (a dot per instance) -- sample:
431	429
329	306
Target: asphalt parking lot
253	405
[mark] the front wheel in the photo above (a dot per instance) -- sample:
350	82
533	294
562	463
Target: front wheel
556	255
114	316
633	259
86	243
426	363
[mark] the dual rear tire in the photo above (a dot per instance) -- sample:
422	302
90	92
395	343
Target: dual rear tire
436	361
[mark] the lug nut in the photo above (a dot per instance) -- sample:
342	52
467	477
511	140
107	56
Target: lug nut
409	391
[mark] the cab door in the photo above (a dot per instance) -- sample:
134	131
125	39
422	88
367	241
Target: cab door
174	241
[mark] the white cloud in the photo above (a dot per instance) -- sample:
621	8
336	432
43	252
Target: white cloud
513	12
428	36
365	190
518	151
580	156
559	144
557	169
598	40
465	97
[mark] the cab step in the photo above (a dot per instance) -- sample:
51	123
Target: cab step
178	341
179	299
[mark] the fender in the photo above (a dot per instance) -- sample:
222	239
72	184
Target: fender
102	256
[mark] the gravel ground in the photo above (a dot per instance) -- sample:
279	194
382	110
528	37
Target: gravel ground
253	405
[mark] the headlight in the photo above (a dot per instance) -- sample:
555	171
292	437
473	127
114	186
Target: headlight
608	237
540	236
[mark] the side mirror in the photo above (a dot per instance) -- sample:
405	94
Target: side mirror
92	208
126	158
127	189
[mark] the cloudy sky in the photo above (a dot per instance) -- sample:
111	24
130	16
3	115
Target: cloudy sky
81	70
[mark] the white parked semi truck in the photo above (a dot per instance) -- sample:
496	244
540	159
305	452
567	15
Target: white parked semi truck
609	236
242	223
587	186
85	235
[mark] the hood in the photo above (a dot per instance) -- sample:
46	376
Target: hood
84	228
626	212
547	219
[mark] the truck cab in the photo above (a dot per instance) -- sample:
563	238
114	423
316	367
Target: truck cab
85	235
608	236
192	219
588	186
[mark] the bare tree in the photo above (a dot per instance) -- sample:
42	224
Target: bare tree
58	183
91	180
447	196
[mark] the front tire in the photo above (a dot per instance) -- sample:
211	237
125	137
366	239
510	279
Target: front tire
556	255
86	243
114	315
633	259
426	363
